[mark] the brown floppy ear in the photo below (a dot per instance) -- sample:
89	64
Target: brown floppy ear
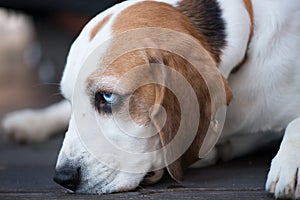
188	129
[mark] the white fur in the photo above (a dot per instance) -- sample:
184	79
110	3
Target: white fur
266	90
98	177
266	94
284	175
237	31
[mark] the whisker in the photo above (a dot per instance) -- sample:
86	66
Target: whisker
45	84
57	84
41	85
56	94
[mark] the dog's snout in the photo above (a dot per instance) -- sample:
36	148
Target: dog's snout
68	177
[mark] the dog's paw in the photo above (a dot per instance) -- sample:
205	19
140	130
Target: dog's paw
284	177
24	126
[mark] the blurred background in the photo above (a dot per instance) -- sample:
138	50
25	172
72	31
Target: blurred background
35	36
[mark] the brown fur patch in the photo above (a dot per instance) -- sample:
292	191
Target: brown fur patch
98	27
169	101
144	97
131	71
174	118
160	15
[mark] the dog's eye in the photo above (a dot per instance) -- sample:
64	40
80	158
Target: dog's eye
110	97
105	100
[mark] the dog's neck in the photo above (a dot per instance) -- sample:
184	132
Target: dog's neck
226	25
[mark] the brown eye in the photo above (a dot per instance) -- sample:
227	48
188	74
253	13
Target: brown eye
104	101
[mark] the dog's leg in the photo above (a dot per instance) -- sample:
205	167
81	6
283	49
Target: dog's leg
284	176
30	125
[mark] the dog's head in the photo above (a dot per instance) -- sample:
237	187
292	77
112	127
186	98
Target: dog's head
146	94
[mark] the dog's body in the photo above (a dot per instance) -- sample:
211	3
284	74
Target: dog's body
261	38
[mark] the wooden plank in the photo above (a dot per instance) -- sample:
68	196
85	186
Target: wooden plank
160	194
242	174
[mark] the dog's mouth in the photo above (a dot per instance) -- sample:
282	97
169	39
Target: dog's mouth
69	178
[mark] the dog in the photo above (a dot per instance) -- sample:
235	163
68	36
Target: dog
245	62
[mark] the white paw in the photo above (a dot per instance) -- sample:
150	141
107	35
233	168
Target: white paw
25	126
284	177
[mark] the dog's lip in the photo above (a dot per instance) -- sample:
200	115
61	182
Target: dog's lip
149	174
146	177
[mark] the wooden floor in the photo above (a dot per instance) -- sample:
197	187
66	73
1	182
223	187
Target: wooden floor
26	173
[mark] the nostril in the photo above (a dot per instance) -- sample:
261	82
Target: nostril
68	177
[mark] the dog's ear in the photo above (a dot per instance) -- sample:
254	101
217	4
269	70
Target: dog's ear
188	102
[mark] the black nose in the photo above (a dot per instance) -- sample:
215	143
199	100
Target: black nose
68	177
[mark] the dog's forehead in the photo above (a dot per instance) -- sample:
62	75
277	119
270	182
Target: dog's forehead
95	33
124	63
134	16
102	29
145	14
123	75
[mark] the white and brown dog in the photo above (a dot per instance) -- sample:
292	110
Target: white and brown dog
253	45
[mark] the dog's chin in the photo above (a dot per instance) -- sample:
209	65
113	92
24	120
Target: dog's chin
121	183
99	189
107	189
